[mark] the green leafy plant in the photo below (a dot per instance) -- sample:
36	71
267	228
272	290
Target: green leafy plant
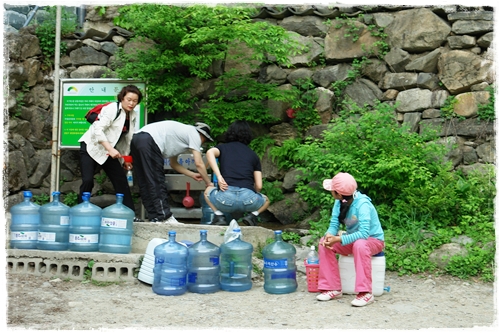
187	43
260	144
305	114
448	109
101	178
101	10
291	237
272	190
487	111
20	98
70	199
87	273
46	33
41	199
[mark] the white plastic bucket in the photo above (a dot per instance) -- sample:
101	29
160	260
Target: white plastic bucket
348	274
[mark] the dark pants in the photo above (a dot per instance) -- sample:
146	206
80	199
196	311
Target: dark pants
114	171
150	175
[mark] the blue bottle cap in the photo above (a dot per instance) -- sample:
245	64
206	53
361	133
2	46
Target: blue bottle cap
27	194
119	194
55	193
277	232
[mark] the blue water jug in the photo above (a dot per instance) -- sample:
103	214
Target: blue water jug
84	226
203	266
280	270
170	269
207	214
236	264
53	232
116	230
25	219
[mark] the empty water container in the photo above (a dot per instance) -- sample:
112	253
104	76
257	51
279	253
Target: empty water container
84	226
280	270
170	270
116	230
236	264
25	219
203	266
53	232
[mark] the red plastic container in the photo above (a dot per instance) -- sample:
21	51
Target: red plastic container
312	272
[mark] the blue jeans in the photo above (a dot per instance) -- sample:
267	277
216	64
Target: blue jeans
236	199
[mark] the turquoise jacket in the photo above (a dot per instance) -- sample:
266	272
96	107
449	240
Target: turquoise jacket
361	220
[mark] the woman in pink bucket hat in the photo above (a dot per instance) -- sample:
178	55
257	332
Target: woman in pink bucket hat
362	238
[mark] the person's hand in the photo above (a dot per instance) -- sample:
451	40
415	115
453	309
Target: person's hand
197	176
222	184
328	241
114	153
127	166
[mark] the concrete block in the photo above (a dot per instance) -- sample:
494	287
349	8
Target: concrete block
112	272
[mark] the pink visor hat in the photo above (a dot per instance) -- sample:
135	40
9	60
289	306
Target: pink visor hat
343	183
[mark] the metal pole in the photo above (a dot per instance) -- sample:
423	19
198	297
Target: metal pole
54	177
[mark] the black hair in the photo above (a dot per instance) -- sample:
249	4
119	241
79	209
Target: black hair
129	89
239	131
345	204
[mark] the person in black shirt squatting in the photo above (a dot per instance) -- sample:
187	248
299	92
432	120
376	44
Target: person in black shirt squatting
239	177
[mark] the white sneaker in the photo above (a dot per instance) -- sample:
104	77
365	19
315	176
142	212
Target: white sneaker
171	220
328	295
362	300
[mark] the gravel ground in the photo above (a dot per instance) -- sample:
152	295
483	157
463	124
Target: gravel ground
413	303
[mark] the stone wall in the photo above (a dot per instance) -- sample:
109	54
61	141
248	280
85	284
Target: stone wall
436	52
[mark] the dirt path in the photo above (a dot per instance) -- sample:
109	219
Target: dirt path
416	302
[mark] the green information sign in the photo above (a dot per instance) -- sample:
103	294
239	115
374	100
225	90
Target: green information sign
80	95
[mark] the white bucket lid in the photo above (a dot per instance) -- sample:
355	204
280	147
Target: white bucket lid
154	243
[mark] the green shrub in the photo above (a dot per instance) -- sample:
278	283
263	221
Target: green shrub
487	111
46	33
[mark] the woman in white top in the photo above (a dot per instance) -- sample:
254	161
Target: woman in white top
107	140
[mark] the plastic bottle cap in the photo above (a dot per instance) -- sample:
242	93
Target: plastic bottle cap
119	194
277	232
312	247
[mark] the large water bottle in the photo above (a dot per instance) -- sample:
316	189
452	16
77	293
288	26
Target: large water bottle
170	270
207	213
236	264
84	225
25	219
116	230
203	266
280	270
53	232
